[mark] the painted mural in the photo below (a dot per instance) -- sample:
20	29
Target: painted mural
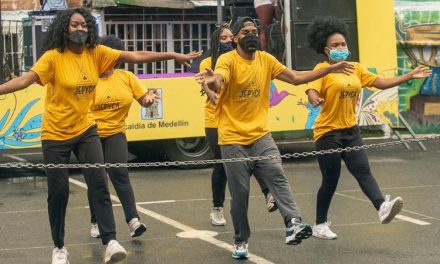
418	40
20	121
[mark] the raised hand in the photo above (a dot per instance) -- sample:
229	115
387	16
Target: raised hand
314	98
149	99
420	72
205	77
342	67
184	58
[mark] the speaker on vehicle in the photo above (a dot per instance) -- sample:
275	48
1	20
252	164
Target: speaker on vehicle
309	9
304	58
303	13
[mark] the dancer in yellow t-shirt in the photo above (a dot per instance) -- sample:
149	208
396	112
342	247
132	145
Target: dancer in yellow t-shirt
336	126
70	69
115	92
221	42
244	76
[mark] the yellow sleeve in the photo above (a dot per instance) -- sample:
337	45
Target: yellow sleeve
367	78
206	63
223	67
276	66
136	86
106	57
316	84
44	67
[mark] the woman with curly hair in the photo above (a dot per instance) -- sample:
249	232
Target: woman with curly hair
335	127
70	69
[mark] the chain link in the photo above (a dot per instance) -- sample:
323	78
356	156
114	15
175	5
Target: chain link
212	161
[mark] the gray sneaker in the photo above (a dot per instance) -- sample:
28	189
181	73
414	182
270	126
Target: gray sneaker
297	231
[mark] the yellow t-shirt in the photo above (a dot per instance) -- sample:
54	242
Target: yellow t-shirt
113	99
210	115
340	93
243	105
71	79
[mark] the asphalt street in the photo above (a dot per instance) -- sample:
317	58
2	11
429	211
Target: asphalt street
175	204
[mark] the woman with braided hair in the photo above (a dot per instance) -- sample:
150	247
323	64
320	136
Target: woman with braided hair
70	69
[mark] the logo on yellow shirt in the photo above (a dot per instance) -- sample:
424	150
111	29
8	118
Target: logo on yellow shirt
84	84
250	93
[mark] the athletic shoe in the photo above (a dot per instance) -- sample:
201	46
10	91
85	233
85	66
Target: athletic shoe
271	204
136	228
59	256
114	252
217	217
297	231
94	230
323	231
389	209
240	251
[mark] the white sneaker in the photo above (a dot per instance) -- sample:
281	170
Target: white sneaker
59	256
323	231
136	228
94	230
114	252
271	204
217	217
389	209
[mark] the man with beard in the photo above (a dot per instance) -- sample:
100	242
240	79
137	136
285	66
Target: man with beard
221	43
244	75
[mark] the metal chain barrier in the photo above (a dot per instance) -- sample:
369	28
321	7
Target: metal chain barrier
214	161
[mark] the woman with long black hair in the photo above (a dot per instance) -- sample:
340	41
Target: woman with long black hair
70	69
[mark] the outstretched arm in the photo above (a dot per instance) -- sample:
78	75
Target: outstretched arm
212	80
151	56
417	73
301	77
19	83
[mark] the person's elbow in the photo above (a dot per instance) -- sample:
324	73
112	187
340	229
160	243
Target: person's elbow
380	84
129	57
291	77
25	81
295	80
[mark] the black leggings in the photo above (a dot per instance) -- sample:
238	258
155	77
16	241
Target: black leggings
116	151
330	165
218	177
87	149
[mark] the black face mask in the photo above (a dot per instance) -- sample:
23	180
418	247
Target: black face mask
78	37
249	43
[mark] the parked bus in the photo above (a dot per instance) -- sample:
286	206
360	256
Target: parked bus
177	119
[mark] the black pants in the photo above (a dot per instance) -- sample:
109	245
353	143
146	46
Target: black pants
330	165
115	151
218	177
87	149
